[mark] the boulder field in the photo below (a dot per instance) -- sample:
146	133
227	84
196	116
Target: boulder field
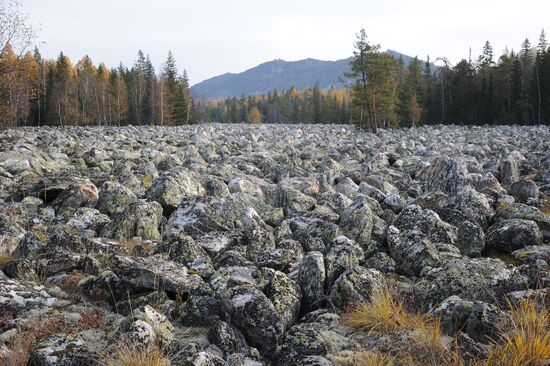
245	244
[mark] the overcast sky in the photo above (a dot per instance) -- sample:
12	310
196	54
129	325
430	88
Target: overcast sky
211	37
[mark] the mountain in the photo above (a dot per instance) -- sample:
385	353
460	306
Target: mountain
278	74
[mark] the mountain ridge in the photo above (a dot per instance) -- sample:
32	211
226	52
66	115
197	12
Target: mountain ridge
278	74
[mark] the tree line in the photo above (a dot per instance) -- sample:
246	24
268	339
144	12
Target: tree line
310	105
383	91
36	91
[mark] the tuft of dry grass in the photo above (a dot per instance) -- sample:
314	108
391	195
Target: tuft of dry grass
364	358
528	343
4	259
127	353
20	346
92	319
135	247
384	314
544	207
19	351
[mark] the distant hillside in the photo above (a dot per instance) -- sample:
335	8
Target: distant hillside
278	74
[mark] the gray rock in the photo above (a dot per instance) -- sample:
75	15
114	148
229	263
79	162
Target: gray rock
170	188
354	286
484	279
251	311
446	175
514	234
357	221
114	198
311	278
524	190
154	273
470	239
139	219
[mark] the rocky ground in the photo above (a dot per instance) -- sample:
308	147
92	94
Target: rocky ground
244	245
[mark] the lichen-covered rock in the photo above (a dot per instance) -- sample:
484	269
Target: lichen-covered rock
355	286
62	350
139	219
312	232
357	221
309	339
311	278
80	194
509	170
155	273
253	313
293	201
524	191
484	279
227	338
446	175
514	234
170	188
260	239
412	251
21	296
114	198
342	254
182	249
427	222
524	212
286	296
470	239
164	330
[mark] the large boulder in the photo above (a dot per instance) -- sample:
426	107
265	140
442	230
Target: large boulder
259	236
356	285
79	194
254	314
484	279
446	175
357	221
311	278
139	219
170	188
342	254
524	212
524	191
513	234
114	198
153	273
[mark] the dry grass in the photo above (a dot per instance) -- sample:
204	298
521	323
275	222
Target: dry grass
365	359
40	328
384	314
127	353
501	205
528	344
544	207
19	351
92	319
4	259
69	285
135	247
